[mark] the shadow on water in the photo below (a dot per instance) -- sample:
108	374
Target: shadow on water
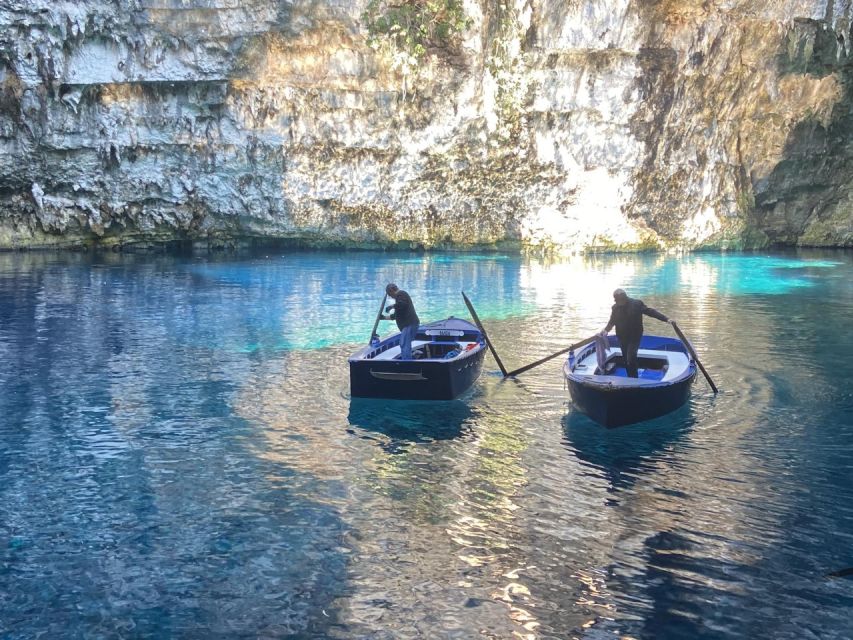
411	421
681	577
623	453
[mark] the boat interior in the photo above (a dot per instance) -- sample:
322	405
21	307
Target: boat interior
652	365
423	350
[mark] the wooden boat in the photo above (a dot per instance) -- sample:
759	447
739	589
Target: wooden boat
447	357
611	398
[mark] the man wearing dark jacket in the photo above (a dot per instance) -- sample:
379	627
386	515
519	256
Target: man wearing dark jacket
406	317
627	317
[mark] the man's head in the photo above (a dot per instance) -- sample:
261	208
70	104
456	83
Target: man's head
391	289
620	297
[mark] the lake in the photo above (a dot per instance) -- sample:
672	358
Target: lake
180	457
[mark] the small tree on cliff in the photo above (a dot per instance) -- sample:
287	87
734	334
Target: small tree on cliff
407	29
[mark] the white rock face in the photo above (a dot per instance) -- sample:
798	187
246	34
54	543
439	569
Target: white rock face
565	126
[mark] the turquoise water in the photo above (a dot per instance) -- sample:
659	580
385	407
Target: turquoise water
179	455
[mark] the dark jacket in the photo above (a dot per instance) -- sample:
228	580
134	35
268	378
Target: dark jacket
404	311
628	318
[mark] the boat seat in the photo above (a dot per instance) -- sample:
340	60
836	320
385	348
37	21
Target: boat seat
440	349
393	353
645	374
676	363
428	350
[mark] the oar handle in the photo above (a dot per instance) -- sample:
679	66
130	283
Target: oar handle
553	355
485	335
695	357
373	333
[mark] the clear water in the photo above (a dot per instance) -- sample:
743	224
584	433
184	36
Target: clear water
179	456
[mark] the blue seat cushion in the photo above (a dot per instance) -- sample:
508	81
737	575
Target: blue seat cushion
645	374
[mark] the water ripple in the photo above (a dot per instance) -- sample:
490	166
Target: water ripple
179	454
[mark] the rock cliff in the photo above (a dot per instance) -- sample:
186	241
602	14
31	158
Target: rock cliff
606	124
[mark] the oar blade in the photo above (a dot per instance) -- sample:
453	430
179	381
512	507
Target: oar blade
695	357
537	363
485	335
572	347
373	334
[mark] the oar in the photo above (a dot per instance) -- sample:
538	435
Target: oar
553	355
373	333
694	356
483	331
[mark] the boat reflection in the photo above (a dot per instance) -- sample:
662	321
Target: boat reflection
624	454
411	421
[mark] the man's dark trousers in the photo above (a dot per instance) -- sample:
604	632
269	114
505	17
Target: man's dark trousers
630	346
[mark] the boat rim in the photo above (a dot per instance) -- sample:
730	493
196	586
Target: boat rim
618	383
359	356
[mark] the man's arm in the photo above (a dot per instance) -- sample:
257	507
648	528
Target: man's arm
610	323
387	309
654	313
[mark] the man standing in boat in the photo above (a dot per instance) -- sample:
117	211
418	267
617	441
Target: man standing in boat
627	316
405	316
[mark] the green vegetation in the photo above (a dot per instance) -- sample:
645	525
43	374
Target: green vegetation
736	237
745	201
604	244
409	28
505	65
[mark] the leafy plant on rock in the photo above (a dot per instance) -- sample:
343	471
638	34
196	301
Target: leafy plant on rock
410	28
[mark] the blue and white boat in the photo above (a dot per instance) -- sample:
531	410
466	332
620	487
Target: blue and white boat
447	357
606	393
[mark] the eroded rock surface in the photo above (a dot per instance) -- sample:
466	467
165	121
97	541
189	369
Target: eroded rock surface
567	126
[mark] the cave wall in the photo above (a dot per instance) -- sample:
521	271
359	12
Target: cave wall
610	124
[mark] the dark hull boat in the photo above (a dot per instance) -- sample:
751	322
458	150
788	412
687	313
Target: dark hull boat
447	357
608	396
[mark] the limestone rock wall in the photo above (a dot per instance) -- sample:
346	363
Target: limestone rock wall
567	126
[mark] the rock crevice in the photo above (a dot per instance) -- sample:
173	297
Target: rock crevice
603	124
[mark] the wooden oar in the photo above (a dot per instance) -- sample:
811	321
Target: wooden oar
483	331
553	355
373	333
694	356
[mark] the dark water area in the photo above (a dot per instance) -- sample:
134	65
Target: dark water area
180	457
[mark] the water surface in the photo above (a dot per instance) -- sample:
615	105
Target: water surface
180	457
